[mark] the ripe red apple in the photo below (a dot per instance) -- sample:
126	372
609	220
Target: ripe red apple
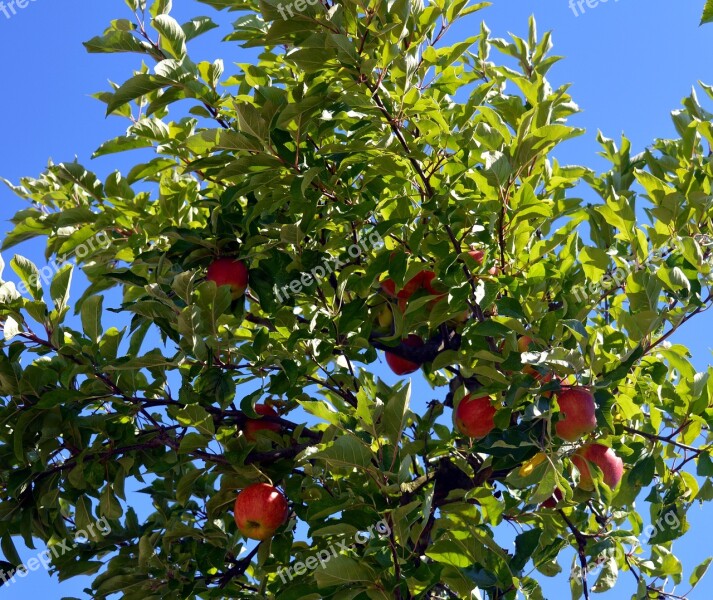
228	271
252	426
410	287
553	500
427	278
605	458
401	366
577	413
260	510
477	255
422	280
474	416
389	287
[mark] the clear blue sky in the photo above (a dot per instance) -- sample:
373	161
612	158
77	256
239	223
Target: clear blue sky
630	62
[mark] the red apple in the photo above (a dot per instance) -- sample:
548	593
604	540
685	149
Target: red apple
577	413
427	278
544	379
260	510
389	287
477	255
494	271
228	271
553	500
403	301
422	280
410	287
605	458
401	366
474	416
252	426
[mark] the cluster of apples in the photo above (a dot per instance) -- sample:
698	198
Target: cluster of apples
577	419
475	417
420	284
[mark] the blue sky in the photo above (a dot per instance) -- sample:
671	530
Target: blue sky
630	63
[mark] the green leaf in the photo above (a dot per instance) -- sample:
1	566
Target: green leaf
343	570
117	41
198	417
364	408
29	274
60	286
525	545
109	505
193	441
707	16
91	315
11	328
607	577
674	279
595	263
346	452
161	7
184	489
395	413
197	26
132	89
699	572
173	39
83	515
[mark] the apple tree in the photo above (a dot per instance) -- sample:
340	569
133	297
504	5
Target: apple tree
386	193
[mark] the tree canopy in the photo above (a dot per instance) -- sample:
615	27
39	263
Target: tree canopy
389	194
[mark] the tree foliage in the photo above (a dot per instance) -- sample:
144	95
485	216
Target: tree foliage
357	122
